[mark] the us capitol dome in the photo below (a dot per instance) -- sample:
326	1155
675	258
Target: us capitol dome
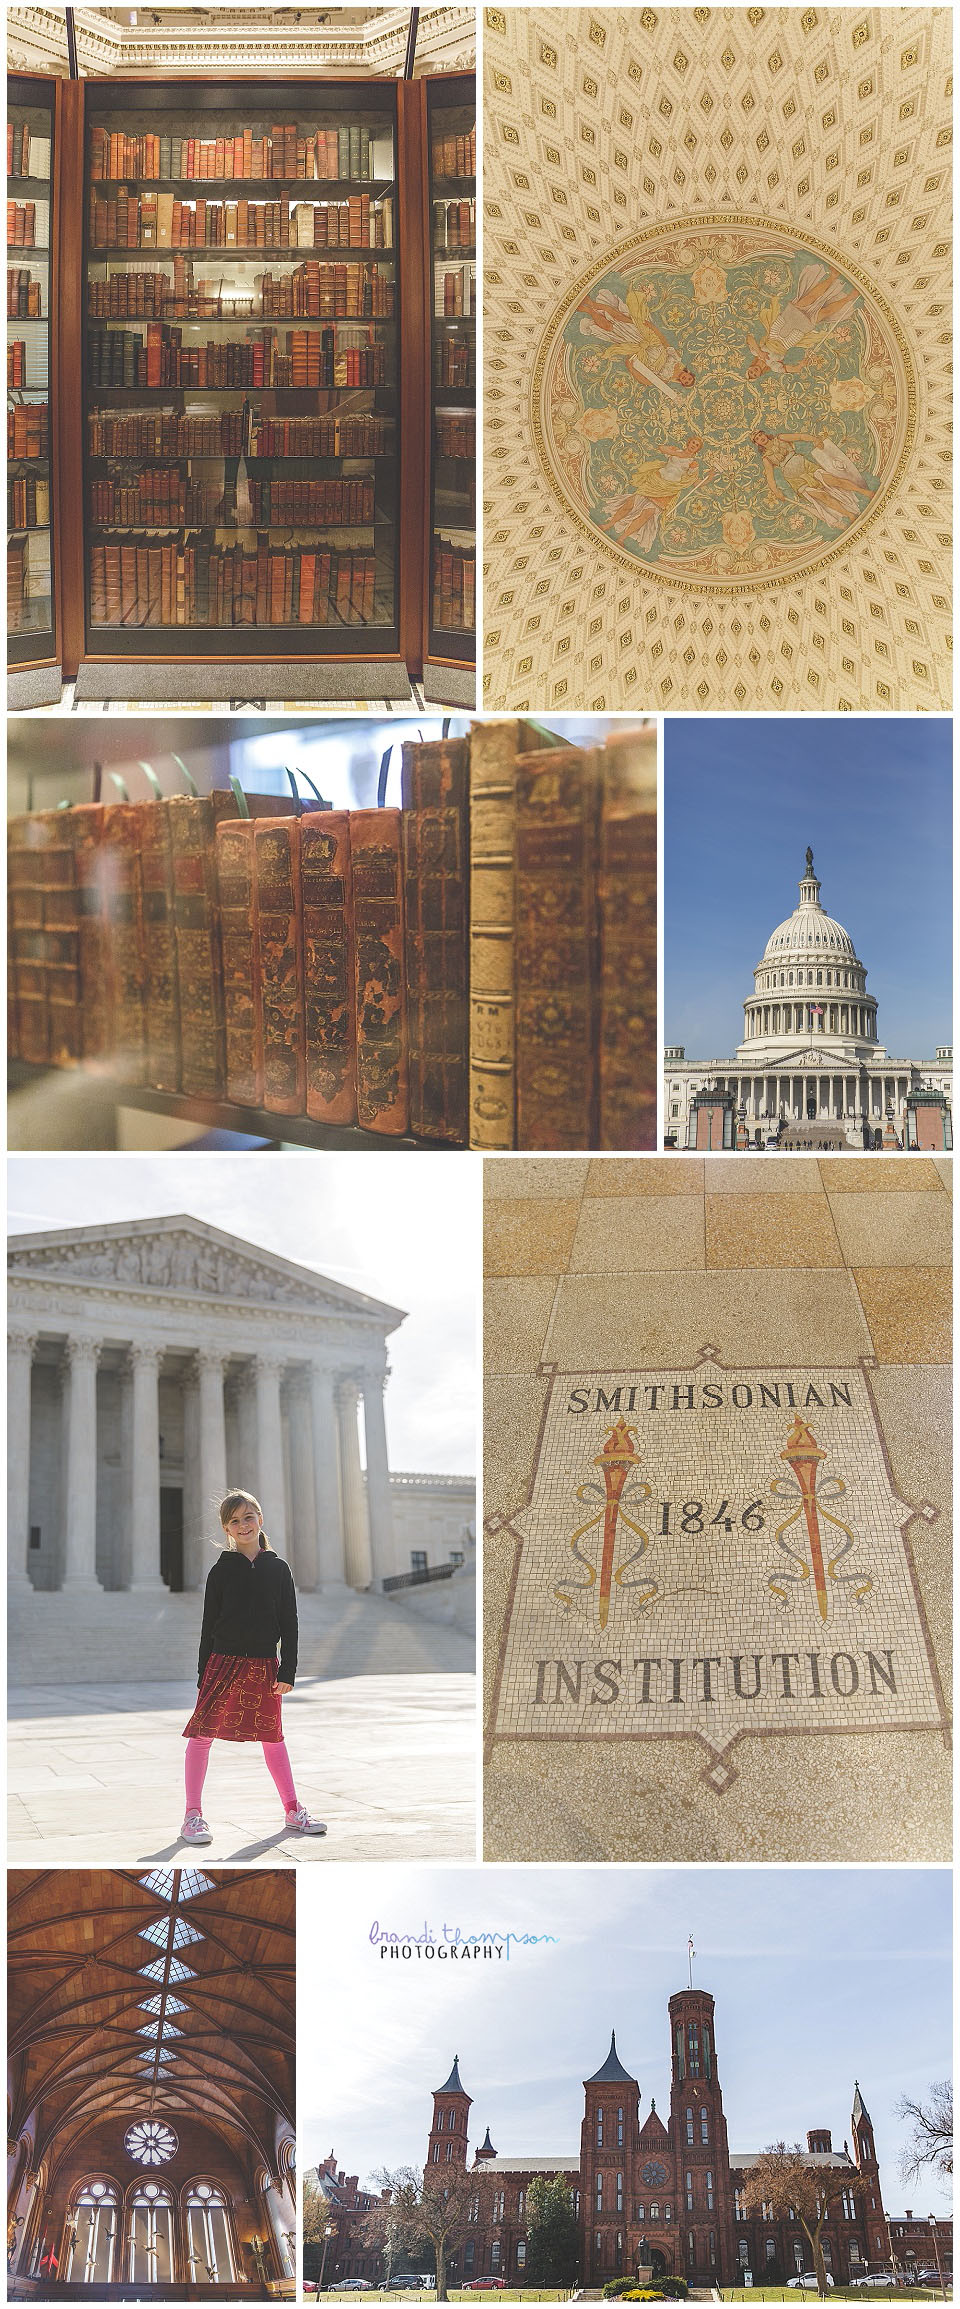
810	1071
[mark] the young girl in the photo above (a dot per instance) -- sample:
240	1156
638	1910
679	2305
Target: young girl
249	1610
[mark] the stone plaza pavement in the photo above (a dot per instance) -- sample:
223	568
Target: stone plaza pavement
95	1774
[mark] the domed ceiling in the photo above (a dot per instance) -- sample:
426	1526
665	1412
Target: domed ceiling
717	325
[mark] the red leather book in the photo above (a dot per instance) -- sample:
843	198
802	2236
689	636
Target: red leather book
123	936
555	929
196	926
434	790
382	1097
241	960
276	850
627	921
328	966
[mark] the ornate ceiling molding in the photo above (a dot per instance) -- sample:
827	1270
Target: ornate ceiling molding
267	43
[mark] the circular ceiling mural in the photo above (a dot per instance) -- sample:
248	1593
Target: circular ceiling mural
723	403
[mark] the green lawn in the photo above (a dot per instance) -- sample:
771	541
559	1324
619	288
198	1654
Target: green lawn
861	2293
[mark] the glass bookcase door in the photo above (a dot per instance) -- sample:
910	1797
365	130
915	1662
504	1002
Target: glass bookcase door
451	116
30	604
240	357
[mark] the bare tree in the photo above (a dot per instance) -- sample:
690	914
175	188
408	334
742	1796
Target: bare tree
432	2205
794	2188
930	2141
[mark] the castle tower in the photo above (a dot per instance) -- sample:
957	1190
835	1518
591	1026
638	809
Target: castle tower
698	2131
486	2148
865	2159
609	2137
447	2144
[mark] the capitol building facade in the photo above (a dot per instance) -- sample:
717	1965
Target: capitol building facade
810	1071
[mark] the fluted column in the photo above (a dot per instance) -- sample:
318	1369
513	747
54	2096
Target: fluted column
270	1450
145	1429
379	1501
303	1514
331	1568
80	1514
213	1437
20	1346
356	1535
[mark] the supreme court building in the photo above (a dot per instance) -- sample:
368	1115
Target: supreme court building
154	1363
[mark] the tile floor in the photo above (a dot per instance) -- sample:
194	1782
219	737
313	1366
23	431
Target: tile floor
632	1267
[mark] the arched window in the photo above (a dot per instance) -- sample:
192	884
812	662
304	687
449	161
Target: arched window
209	2247
149	2234
92	2229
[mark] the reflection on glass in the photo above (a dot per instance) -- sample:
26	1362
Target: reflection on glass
452	124
29	582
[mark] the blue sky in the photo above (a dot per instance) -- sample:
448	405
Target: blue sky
820	1976
403	1231
742	798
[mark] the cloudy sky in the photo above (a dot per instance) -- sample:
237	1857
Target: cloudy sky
403	1230
742	799
821	1977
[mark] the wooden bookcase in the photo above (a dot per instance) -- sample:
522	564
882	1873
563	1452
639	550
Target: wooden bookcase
32	183
450	593
190	518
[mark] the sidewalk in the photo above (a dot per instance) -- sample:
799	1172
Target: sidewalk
95	1774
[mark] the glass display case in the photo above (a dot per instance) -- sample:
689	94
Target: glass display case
30	589
240	360
452	162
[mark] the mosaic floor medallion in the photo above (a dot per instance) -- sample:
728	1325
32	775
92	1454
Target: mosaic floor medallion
723	403
712	1554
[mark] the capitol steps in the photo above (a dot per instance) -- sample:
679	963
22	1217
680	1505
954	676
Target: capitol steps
130	1636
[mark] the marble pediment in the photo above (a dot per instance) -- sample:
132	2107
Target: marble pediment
181	1261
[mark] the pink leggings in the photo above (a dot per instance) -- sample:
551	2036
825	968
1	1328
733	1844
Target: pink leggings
275	1757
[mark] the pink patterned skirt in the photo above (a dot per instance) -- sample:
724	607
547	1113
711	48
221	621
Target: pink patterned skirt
236	1701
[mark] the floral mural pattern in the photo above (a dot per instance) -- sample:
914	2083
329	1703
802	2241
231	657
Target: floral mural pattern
724	404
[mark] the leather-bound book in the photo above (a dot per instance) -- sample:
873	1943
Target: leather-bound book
89	835
555	950
276	849
627	917
494	747
241	961
161	1001
434	793
375	842
326	881
61	936
196	925
26	935
123	919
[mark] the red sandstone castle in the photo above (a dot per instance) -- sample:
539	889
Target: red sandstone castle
666	2193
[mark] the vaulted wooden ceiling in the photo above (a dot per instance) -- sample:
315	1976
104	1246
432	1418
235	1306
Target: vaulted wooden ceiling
152	1993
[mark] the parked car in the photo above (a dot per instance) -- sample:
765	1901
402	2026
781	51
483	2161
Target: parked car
485	2285
808	2281
355	2285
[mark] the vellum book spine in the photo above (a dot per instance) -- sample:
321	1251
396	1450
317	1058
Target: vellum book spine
434	792
494	747
242	994
555	954
382	1102
328	966
276	849
627	917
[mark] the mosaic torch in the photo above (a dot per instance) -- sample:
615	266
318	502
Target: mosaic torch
803	1455
618	1456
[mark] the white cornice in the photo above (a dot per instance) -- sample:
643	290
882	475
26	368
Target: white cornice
245	41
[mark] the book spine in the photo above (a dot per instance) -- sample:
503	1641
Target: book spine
26	836
328	966
60	951
555	948
94	891
160	996
280	925
125	940
627	925
382	1101
494	746
241	961
434	790
196	923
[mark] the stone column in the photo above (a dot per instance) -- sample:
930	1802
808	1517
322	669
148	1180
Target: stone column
145	1535
20	1346
329	1540
270	1450
303	1513
213	1437
356	1535
80	1488
379	1502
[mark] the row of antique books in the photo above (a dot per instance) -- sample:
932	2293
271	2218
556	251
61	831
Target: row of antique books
28	154
160	221
165	497
312	291
456	432
454	362
141	581
237	433
281	152
454	224
24	295
28	430
16	362
454	586
310	359
456	293
27	223
455	155
480	964
28	501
